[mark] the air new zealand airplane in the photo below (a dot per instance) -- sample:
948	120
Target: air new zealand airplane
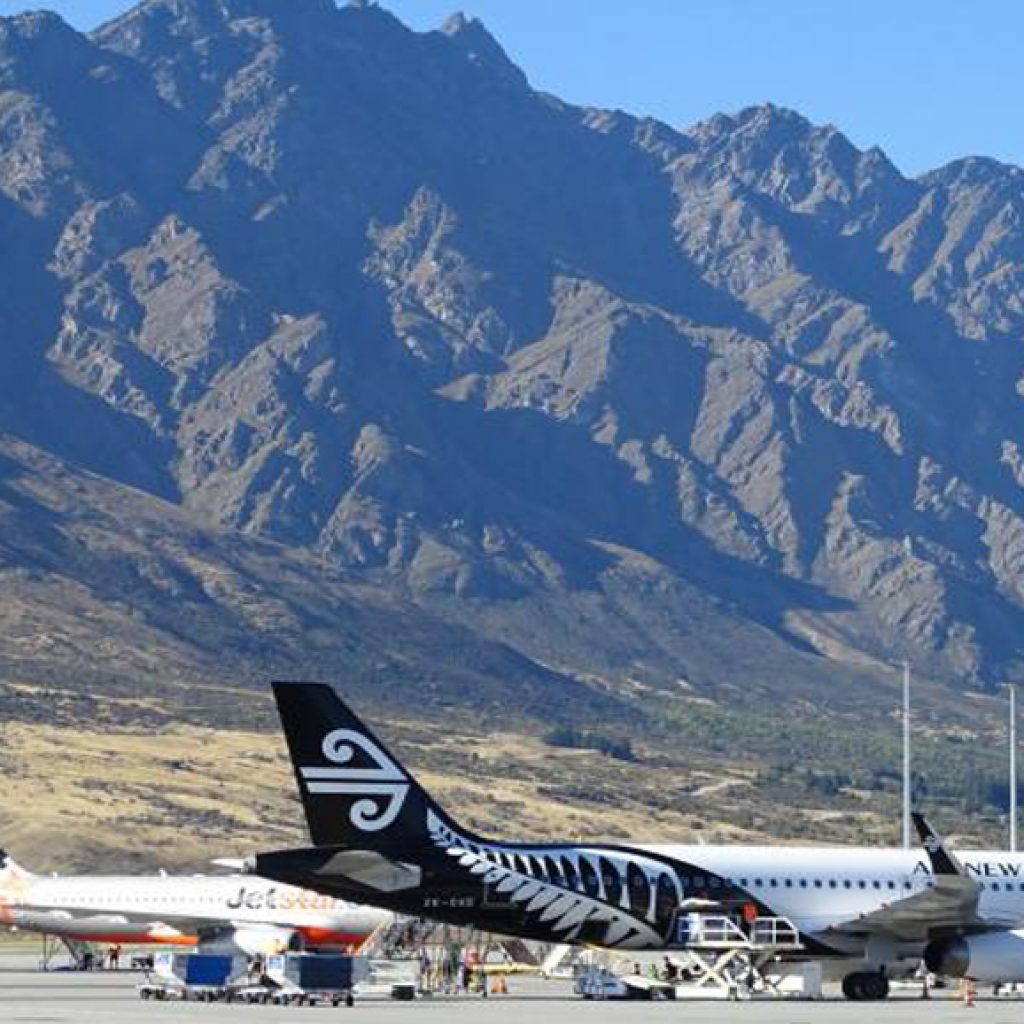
867	914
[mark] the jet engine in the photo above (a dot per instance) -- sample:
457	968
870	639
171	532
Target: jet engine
253	939
992	956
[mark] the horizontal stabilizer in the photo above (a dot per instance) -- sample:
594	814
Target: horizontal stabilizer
355	870
372	869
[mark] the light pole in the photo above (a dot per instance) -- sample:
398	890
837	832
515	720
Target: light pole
906	755
1013	765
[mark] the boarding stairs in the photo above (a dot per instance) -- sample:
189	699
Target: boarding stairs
84	955
561	961
400	937
518	951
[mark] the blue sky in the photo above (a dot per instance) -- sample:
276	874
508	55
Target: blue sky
927	80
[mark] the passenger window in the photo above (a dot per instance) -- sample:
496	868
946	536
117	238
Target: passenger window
789	883
803	883
612	881
569	870
831	883
758	882
847	883
862	884
817	883
666	899
877	884
639	890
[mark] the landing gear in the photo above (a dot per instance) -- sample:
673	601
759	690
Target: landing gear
863	985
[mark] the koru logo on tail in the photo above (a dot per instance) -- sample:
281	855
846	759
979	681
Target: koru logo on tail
383	787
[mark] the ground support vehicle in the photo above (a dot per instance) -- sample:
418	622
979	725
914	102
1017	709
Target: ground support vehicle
197	977
308	979
288	979
394	977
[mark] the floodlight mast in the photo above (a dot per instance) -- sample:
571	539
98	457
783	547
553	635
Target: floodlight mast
906	755
1013	766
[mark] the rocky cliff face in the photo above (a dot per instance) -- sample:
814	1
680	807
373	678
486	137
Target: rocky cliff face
733	404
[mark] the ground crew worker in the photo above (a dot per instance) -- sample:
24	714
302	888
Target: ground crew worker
969	991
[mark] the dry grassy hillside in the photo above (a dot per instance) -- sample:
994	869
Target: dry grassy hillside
135	789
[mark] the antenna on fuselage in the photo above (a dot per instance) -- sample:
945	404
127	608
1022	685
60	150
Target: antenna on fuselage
906	755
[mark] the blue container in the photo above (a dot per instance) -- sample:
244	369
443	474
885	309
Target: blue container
318	973
208	970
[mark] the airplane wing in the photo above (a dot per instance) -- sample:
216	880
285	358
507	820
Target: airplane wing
949	902
948	905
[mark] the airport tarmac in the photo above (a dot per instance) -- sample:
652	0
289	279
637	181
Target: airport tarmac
29	996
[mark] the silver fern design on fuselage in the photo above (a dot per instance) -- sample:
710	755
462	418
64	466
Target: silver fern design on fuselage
597	895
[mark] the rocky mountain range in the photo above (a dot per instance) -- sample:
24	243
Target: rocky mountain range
333	347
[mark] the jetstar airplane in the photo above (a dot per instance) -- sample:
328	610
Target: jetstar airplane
865	914
254	915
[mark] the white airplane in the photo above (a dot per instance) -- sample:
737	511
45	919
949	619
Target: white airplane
253	915
865	914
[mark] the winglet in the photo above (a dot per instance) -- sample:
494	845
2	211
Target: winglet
942	861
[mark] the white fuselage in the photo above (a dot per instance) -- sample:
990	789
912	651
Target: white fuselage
821	888
180	910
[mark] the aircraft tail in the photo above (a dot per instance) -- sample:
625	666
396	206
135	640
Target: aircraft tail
354	792
12	875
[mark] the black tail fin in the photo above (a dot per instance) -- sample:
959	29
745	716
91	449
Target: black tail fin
354	792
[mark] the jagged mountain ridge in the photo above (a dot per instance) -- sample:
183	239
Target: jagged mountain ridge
594	387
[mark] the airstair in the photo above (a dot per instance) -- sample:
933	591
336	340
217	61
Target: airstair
518	951
561	961
84	955
401	937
